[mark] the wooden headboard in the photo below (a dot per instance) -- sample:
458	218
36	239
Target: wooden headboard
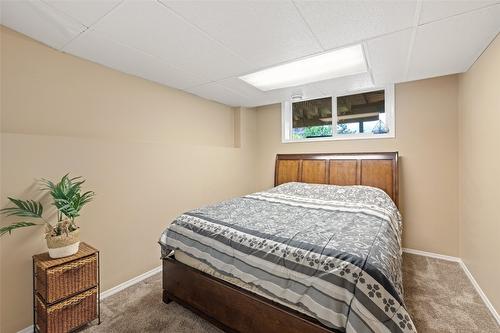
372	169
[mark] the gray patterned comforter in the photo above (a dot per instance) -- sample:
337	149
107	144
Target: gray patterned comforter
334	252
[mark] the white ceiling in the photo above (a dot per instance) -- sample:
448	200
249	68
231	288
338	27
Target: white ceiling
203	46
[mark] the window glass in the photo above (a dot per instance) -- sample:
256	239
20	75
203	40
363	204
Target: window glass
312	118
362	113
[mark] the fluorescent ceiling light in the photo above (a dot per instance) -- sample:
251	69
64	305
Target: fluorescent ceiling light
329	65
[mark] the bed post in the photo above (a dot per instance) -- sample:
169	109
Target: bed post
166	299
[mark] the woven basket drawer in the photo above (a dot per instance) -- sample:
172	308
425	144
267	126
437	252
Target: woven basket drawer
56	283
67	315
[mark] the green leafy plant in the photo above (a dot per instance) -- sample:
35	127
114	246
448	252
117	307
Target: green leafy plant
312	132
67	198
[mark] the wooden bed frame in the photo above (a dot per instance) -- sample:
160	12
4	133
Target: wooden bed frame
234	309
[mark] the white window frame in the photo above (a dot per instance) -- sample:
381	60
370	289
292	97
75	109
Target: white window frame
286	119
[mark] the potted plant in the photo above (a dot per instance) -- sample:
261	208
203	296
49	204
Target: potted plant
62	237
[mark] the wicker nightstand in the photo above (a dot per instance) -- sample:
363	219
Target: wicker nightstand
66	291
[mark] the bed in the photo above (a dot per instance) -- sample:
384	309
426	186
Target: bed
319	252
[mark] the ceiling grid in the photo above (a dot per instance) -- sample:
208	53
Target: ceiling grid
202	47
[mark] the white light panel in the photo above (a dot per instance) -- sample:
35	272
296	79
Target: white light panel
329	65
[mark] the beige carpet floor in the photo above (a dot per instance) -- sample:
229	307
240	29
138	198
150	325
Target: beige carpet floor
439	297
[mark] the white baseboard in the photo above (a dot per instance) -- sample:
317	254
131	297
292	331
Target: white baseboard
129	283
28	329
483	296
113	290
432	255
480	292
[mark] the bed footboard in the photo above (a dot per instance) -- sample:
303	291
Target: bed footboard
229	307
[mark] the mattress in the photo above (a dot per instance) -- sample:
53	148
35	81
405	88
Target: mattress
332	252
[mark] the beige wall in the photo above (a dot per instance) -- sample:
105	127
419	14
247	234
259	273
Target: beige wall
427	140
149	152
479	100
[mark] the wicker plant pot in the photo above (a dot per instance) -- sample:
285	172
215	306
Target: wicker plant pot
63	245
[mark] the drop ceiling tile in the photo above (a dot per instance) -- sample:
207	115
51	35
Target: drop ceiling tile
216	92
258	97
436	10
345	84
151	27
263	32
242	88
38	20
388	56
452	45
99	49
338	23
85	11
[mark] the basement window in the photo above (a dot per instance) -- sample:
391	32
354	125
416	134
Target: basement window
312	119
361	115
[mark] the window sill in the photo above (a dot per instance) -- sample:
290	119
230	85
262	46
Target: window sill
342	138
